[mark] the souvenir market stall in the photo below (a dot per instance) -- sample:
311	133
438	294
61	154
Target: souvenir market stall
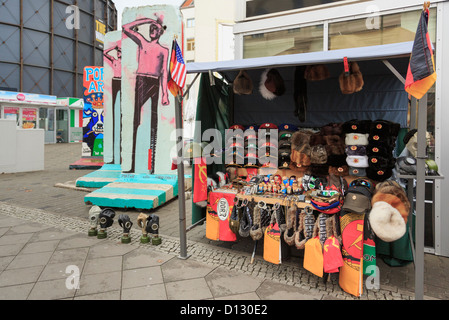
307	157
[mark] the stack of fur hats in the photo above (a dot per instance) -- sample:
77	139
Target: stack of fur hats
356	142
390	209
286	132
382	141
335	148
301	151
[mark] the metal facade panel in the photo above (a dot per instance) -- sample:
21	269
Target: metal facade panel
63	53
85	56
9	44
87	28
36	14
36	48
36	80
59	21
9	75
86	5
63	84
10	12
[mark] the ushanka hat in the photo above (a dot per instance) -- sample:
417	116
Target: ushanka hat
318	154
357	161
352	81
360	139
384	128
271	84
390	210
379	174
357	126
332	129
358	172
242	84
335	145
340	171
316	72
355	150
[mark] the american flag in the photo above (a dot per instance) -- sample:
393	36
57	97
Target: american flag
177	66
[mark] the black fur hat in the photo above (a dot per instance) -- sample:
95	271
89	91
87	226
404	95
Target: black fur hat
357	126
385	128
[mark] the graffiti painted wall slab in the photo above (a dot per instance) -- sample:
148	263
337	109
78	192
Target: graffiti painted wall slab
93	121
148	108
112	96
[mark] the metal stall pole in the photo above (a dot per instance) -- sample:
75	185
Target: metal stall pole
181	183
420	198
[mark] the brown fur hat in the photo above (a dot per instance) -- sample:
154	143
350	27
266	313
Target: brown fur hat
243	84
340	171
358	78
316	72
332	129
317	139
300	158
301	141
335	145
353	82
318	154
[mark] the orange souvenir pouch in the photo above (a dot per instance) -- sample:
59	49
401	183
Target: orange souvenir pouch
212	221
313	257
272	242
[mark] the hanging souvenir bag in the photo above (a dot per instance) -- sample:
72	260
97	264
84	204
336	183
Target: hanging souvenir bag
272	240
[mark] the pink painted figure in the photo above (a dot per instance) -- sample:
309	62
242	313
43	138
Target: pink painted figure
116	65
152	74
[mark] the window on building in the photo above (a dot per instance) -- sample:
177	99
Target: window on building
276	43
190	23
378	30
261	7
190	44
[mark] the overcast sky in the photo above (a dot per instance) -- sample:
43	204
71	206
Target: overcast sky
122	4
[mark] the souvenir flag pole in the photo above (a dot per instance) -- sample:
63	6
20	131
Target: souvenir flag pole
421	76
176	84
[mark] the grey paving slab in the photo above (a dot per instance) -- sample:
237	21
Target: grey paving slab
148	292
11	249
27	228
20	276
51	290
108	249
99	283
17	292
6	221
54	271
141	277
191	289
77	241
30	260
15	239
111	295
270	290
69	256
140	257
103	265
222	282
4	261
52	234
178	269
3	231
40	246
241	296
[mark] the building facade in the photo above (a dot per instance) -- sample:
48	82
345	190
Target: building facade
44	47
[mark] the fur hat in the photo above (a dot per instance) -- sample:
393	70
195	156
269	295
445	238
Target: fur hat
353	82
335	145
358	172
381	162
301	141
243	84
335	160
382	139
316	72
390	210
357	126
360	139
317	139
355	150
271	84
379	174
385	128
357	161
379	150
318	154
340	171
332	129
320	170
300	158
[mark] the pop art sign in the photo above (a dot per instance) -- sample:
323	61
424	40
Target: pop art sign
93	117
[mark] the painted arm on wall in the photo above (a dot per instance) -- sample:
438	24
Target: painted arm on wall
130	29
110	58
164	79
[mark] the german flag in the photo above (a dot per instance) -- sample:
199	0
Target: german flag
421	70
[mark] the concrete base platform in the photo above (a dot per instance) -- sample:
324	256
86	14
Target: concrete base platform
87	163
106	174
138	191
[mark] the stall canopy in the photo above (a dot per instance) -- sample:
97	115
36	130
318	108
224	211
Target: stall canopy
383	95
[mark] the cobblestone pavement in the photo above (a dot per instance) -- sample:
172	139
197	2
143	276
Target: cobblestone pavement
33	198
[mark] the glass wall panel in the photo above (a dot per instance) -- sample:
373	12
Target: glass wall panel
261	7
298	40
392	28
